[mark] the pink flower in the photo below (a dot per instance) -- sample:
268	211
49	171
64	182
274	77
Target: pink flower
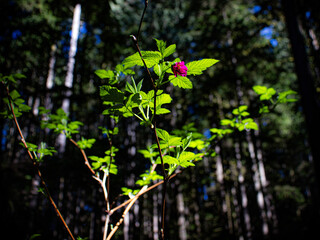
180	69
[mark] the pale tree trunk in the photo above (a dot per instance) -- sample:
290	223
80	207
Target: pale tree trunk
70	67
271	214
126	223
181	214
237	216
50	78
155	219
257	185
243	192
225	199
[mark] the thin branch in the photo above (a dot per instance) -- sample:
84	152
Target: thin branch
136	42
36	165
141	20
141	193
123	215
86	162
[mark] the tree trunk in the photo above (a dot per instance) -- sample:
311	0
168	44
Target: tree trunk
271	212
243	192
309	100
257	185
181	214
70	67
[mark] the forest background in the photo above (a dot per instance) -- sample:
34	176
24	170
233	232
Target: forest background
272	194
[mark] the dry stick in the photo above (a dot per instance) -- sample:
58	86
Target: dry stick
36	165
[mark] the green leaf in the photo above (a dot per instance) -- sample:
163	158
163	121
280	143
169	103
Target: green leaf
151	58
268	95
14	94
282	98
174	141
161	111
239	110
251	125
161	45
148	154
101	73
264	109
163	134
35	236
164	98
111	94
186	141
19	75
167	160
260	89
86	143
226	122
181	82
185	159
198	143
197	67
169	50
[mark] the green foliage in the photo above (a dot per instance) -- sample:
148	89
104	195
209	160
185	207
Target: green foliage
17	103
267	97
287	192
60	123
197	67
148	177
241	120
86	143
106	163
129	192
39	152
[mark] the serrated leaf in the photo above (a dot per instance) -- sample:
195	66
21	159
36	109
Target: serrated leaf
251	125
163	134
174	141
197	67
101	73
169	50
226	122
161	45
163	99
268	94
151	58
186	156
167	160
148	154
14	94
282	98
161	111
181	82
259	89
111	94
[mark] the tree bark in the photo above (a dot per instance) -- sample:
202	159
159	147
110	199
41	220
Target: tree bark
70	68
309	99
257	185
243	192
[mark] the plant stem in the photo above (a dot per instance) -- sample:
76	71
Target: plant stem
36	165
86	162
